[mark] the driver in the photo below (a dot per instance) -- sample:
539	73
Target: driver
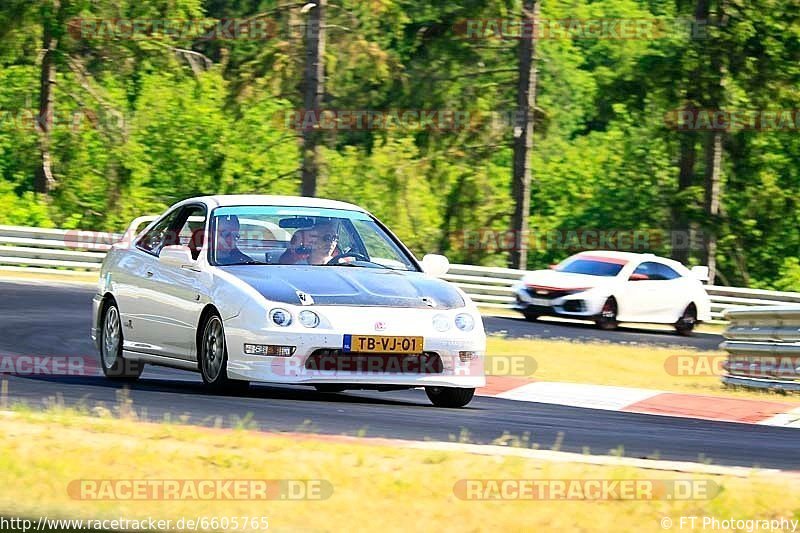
323	239
226	234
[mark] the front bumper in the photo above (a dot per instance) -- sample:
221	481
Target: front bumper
454	370
576	305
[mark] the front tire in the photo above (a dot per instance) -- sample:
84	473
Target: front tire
449	396
530	316
213	358
607	319
111	361
688	320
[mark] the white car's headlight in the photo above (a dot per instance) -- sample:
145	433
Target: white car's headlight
280	317
309	319
441	323
465	322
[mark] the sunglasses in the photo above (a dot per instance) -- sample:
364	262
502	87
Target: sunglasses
228	234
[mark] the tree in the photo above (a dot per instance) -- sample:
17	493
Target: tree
523	135
313	93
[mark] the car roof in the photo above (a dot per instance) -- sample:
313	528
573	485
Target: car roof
224	200
632	257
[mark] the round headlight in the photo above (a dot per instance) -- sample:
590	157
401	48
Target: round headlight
440	323
465	322
308	318
281	317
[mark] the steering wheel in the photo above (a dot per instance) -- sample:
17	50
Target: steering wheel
355	255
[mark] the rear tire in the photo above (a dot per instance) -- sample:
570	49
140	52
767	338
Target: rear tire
111	361
607	319
212	356
449	396
688	320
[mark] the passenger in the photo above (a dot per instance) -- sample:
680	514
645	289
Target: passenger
226	234
297	252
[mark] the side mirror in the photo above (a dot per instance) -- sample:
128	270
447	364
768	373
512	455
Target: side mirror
176	255
435	265
638	277
700	272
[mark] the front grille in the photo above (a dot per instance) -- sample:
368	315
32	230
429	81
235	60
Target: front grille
327	360
547	294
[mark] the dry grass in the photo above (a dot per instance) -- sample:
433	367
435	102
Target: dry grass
376	487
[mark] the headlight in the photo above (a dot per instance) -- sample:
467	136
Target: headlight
281	317
308	318
465	322
440	323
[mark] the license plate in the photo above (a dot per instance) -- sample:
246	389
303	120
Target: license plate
382	344
540	301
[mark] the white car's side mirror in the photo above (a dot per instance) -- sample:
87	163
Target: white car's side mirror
435	265
700	272
176	255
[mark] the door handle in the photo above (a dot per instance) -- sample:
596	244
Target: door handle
149	274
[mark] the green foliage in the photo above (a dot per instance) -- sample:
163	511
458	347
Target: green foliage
145	123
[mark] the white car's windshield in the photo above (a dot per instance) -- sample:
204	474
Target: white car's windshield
591	267
279	235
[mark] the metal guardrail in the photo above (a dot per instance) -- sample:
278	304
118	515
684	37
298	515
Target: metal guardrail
36	249
763	347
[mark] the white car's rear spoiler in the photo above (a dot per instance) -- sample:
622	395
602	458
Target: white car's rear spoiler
700	272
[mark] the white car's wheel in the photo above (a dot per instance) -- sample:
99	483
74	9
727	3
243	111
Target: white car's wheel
113	364
607	319
213	357
449	396
688	320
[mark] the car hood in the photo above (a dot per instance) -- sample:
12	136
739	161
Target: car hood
566	280
354	286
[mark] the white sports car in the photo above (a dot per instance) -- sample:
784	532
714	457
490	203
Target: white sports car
286	290
613	287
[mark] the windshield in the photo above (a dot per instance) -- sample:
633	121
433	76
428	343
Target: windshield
279	235
591	267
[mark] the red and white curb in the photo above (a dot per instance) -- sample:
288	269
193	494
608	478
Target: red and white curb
645	401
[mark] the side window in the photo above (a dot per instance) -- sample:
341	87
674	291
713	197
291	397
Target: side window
649	269
191	233
656	271
160	235
666	272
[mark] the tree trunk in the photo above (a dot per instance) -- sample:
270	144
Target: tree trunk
313	91
45	181
712	200
680	219
523	137
713	158
681	225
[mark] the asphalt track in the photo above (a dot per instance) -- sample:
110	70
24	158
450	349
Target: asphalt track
54	320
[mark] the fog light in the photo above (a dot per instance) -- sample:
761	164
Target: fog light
465	322
281	317
467	356
440	323
308	318
269	349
